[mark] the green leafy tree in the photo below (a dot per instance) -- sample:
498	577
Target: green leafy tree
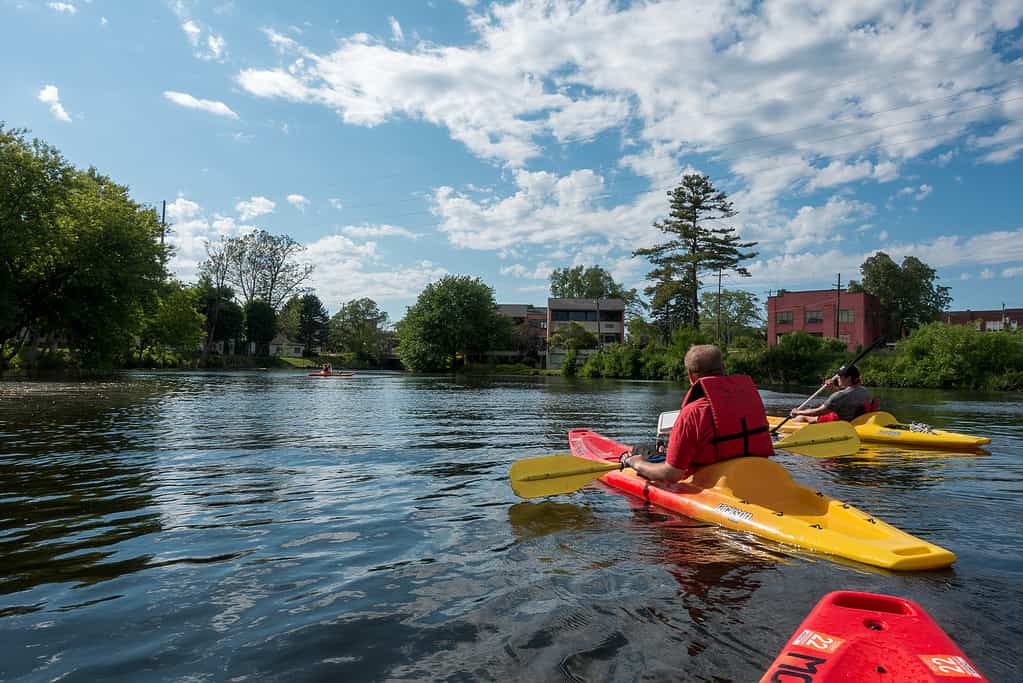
360	328
80	262
265	266
695	247
671	298
288	318
593	283
643	332
573	336
734	313
260	324
909	292
216	294
312	323
177	322
455	315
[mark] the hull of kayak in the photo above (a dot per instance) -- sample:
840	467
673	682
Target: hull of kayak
333	374
868	637
757	495
883	427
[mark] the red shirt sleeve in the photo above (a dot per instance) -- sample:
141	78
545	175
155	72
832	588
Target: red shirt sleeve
693	429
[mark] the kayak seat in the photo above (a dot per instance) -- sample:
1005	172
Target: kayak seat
871	406
878	417
760	481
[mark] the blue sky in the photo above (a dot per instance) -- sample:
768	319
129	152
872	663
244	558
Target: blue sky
400	141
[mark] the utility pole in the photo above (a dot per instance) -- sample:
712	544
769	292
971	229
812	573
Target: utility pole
838	303
719	306
163	222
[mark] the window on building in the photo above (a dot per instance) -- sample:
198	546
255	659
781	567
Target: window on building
611	316
783	318
559	315
845	338
814	317
846	315
816	334
610	338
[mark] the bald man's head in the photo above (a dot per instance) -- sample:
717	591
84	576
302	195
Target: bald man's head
704	360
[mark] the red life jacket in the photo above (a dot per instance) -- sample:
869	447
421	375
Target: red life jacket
740	424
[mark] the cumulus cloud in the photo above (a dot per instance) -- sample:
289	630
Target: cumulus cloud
298	201
347	270
253	207
211	106
336	203
190	230
64	7
925	190
51	95
364	231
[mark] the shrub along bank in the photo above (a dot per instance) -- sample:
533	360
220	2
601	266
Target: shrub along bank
934	356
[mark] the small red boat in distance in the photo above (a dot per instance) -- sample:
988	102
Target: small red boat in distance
332	374
853	636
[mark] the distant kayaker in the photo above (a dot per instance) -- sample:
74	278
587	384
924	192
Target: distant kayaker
722	417
326	369
849	401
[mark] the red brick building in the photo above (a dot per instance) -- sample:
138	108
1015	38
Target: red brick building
986	321
855	318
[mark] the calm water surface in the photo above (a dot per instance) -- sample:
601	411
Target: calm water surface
267	526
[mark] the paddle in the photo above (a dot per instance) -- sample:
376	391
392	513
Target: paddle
551	475
879	342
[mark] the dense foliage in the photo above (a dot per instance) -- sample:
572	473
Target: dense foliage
573	336
81	263
935	355
698	243
908	292
260	324
454	316
360	328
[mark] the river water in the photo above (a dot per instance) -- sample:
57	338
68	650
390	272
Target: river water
269	526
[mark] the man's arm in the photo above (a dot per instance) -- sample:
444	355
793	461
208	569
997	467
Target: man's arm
678	452
657	471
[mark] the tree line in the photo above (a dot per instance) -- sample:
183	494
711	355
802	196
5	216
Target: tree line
83	277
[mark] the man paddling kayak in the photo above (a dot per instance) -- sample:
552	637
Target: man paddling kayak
849	401
722	417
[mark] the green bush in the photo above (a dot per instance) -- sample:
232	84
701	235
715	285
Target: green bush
568	368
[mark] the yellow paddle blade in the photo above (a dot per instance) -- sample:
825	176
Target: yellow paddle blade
552	475
822	440
877	417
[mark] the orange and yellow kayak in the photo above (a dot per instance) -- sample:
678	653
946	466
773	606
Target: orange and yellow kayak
758	496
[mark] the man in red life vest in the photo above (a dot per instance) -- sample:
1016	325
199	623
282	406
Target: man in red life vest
722	417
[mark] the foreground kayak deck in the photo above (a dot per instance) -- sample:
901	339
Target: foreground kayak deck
757	495
882	427
851	636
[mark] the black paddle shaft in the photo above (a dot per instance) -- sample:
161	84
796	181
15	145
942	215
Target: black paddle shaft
879	342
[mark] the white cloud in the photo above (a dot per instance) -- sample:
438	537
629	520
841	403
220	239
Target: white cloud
51	95
65	7
1012	272
925	190
212	47
103	21
364	231
987	274
882	236
189	232
396	33
211	106
348	270
298	201
336	203
721	82
254	206
542	271
965	276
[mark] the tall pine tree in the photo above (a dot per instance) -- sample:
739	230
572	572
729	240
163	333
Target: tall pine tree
695	248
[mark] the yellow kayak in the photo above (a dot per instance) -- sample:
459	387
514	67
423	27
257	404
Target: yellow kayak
882	427
758	496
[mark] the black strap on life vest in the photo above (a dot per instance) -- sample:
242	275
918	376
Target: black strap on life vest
744	435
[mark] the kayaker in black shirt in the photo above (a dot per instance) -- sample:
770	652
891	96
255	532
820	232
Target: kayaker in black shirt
847	403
